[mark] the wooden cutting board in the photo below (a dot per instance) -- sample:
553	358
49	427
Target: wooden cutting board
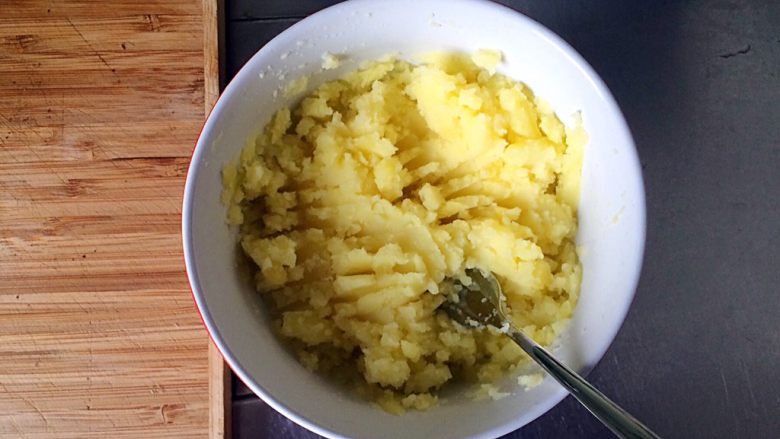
100	104
220	376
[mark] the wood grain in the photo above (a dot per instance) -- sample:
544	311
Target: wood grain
99	108
220	408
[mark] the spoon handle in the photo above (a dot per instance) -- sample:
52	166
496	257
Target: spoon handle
613	416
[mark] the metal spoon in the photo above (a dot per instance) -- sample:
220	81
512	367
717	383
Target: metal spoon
482	303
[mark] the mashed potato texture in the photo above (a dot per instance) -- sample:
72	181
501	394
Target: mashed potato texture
357	203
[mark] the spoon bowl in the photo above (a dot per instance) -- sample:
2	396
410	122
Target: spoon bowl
476	300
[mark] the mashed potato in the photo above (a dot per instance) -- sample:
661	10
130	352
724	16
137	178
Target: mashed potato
358	202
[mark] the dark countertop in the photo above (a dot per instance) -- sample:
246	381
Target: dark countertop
699	84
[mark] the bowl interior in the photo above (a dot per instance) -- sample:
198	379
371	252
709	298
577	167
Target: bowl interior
612	216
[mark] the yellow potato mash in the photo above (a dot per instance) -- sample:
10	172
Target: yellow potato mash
358	202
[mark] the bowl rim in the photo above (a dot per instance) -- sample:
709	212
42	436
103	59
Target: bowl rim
233	88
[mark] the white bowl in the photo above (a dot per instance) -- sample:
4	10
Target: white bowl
612	213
